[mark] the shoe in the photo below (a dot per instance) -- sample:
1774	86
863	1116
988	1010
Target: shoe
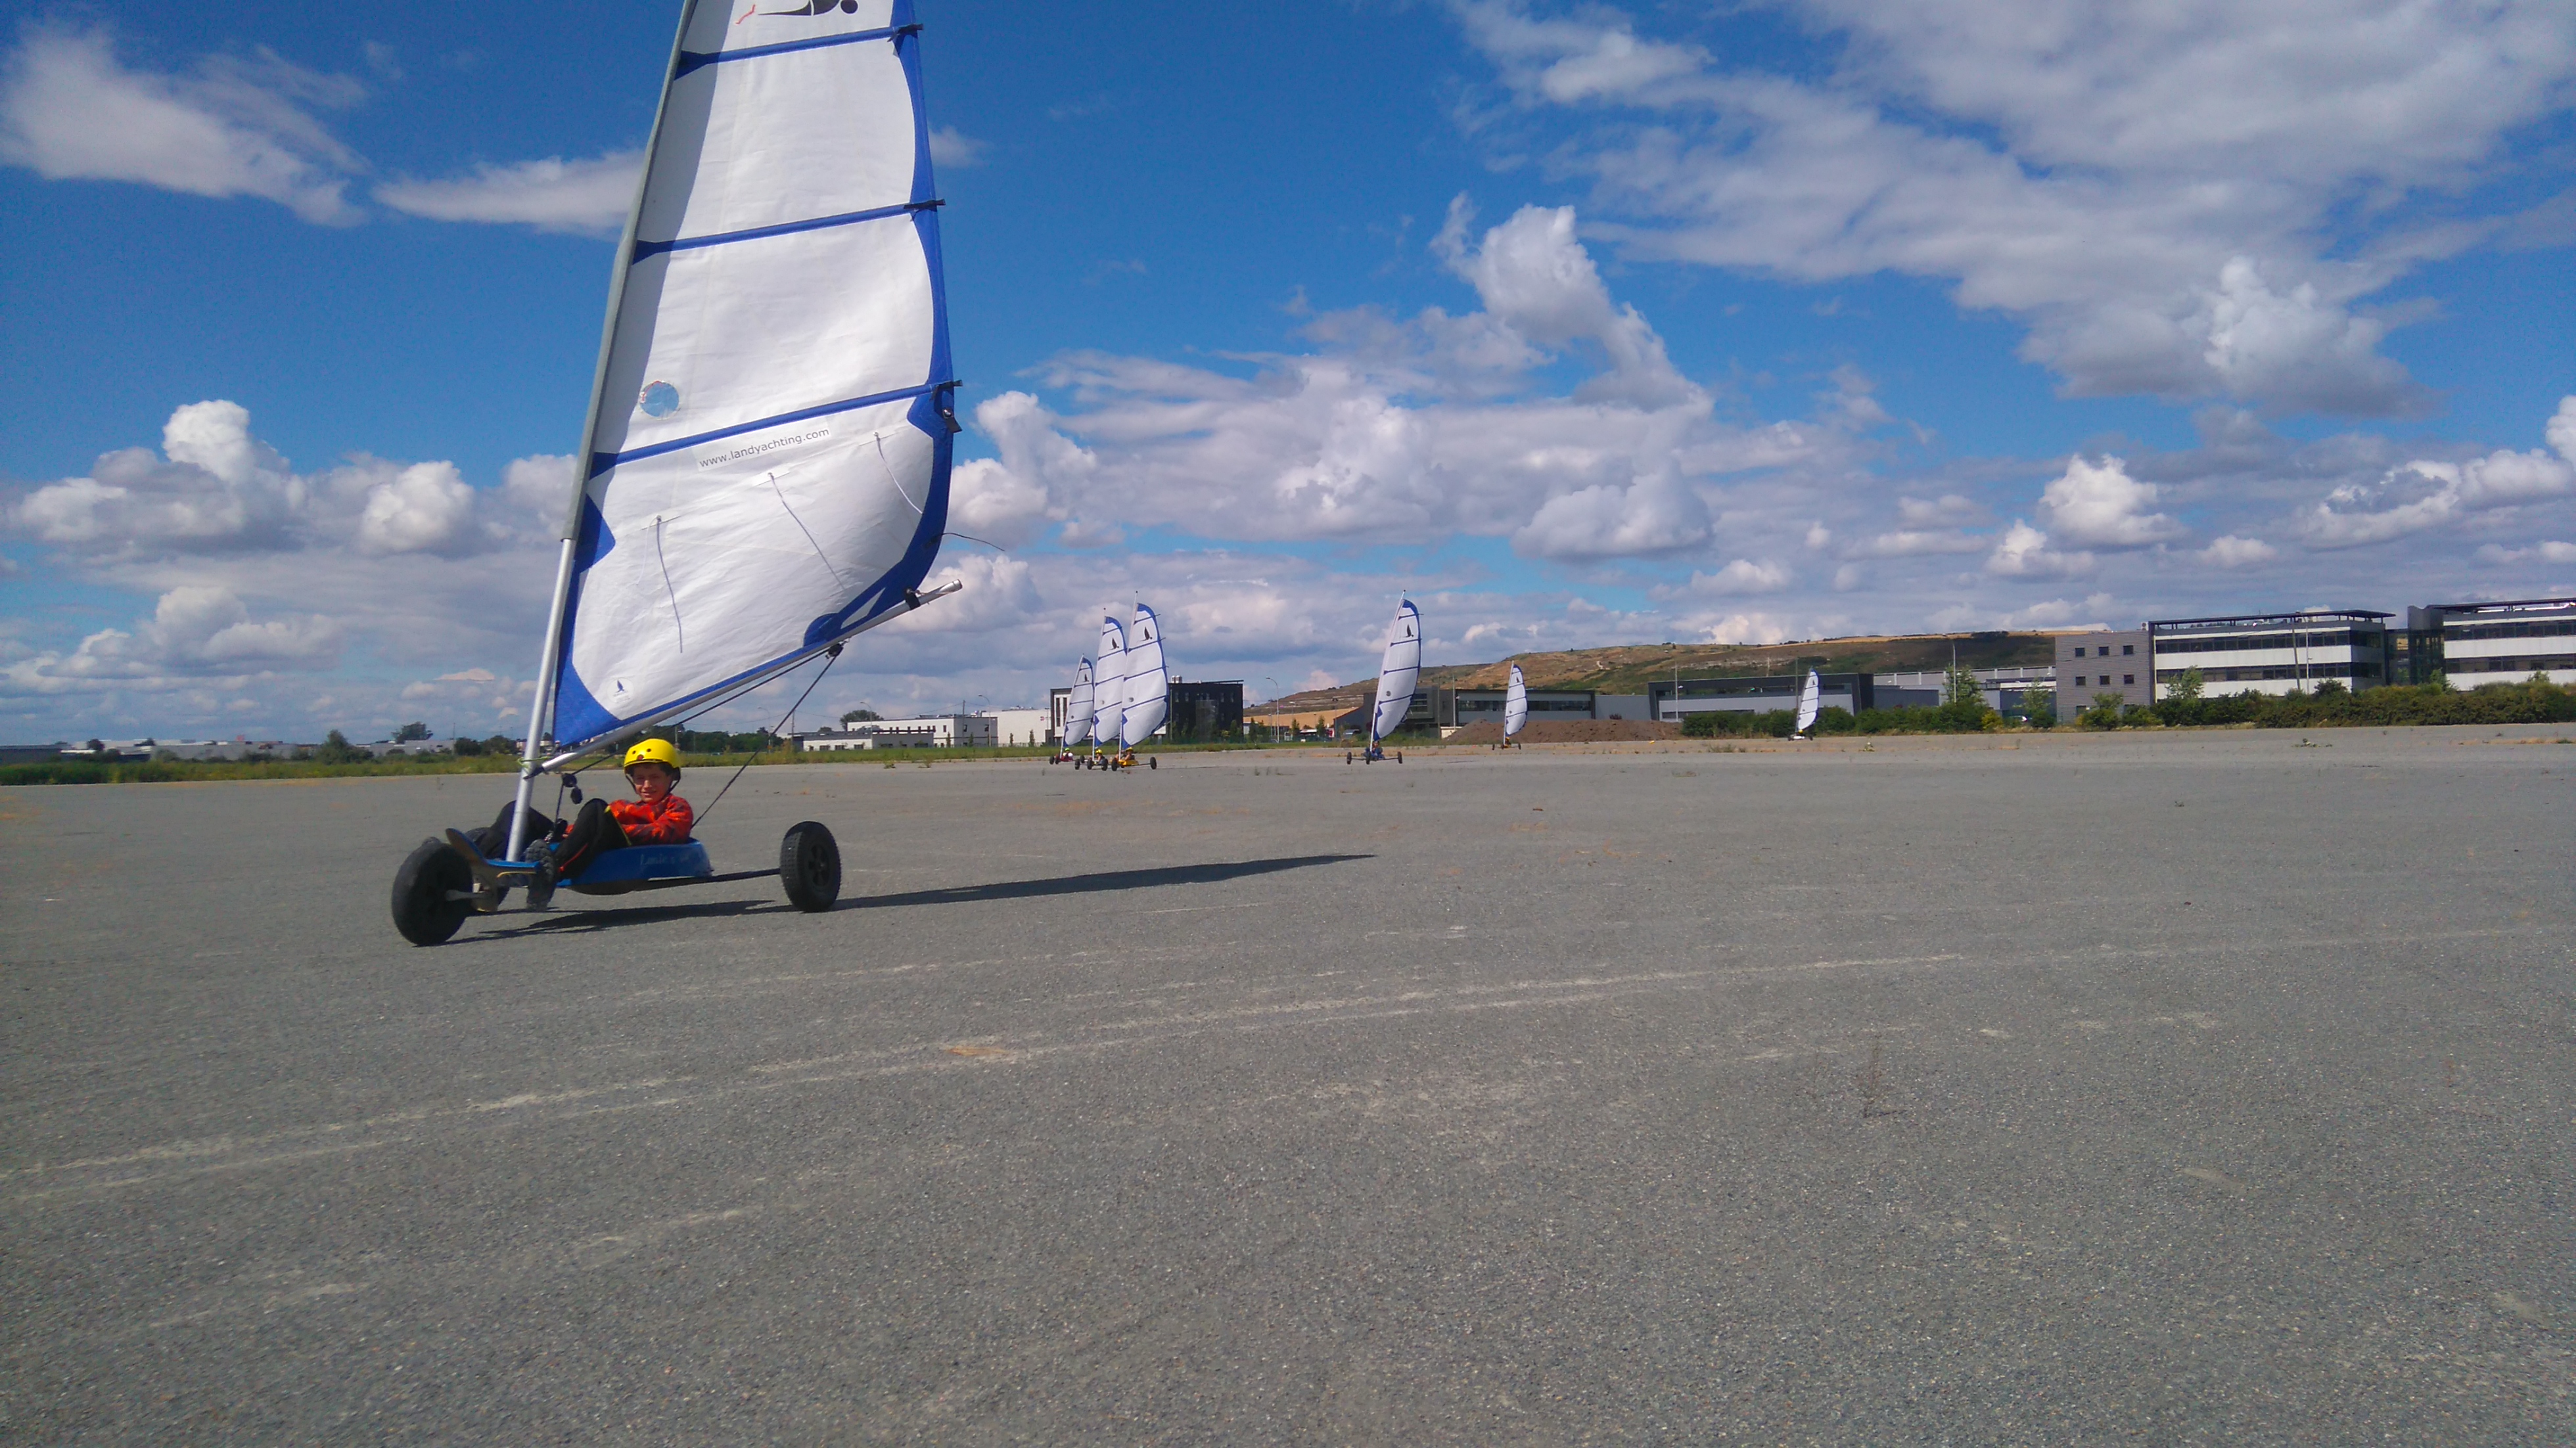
541	886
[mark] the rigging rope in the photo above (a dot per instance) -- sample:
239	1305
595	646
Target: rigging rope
830	656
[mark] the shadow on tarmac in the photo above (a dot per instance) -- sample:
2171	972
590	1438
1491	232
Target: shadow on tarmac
1090	884
586	921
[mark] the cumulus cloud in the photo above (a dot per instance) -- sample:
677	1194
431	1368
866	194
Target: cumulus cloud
216	488
1741	575
587	197
2230	551
197	638
950	146
2430	493
1916	542
2023	552
2160	195
2100	505
69	110
1402	430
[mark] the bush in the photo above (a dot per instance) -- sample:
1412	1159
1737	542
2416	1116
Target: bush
2532	702
336	749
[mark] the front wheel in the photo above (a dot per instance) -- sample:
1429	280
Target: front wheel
809	865
425	910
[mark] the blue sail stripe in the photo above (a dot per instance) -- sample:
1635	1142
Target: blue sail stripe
700	59
645	249
602	462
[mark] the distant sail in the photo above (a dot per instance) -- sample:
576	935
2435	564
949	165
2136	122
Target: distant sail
769	437
1515	704
1078	709
1149	684
1397	671
1809	698
1109	684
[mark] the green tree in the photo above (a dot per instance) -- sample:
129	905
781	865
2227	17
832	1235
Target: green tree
336	749
861	716
2186	687
2039	707
2105	713
1959	686
411	731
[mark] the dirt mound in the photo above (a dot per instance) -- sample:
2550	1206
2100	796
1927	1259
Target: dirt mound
1569	731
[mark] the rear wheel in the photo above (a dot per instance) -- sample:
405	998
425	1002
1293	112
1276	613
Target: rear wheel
809	865
423	911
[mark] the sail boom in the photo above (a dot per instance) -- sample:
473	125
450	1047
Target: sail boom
742	684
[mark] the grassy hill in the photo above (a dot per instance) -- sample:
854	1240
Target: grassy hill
1625	668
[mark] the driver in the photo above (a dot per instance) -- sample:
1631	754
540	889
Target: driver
655	816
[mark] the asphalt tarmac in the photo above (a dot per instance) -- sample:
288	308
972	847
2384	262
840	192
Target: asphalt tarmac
2207	1088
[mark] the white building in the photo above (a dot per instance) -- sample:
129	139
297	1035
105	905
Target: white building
2501	643
1014	727
933	731
2272	653
2001	688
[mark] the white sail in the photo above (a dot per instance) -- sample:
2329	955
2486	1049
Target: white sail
1515	704
1397	670
1077	710
1109	684
766	462
1808	700
1149	683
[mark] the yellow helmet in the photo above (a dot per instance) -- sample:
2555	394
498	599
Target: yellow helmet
657	751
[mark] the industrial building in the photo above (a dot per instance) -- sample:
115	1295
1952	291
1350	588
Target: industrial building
1668	700
1197	709
2494	643
933	731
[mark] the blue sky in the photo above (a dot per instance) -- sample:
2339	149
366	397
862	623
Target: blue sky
1586	324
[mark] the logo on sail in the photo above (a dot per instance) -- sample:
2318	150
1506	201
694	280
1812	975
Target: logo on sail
659	399
811	7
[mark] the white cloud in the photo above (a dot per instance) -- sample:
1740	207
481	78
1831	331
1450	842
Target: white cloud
1917	542
2548	552
2429	493
424	508
218	489
1534	277
2162	195
2100	505
1407	430
540	486
588	197
70	111
2023	552
950	146
2230	551
1741	575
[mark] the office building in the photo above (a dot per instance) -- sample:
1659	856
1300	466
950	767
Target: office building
2272	653
2493	643
1203	710
2090	665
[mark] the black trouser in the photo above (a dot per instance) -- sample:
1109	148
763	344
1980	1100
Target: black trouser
594	832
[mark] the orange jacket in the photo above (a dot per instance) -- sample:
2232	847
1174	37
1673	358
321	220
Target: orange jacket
667	824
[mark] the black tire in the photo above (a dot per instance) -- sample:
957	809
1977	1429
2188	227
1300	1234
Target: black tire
809	865
422	910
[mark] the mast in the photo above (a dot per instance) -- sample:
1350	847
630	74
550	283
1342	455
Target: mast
541	709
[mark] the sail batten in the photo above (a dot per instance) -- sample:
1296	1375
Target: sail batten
644	249
696	59
771	413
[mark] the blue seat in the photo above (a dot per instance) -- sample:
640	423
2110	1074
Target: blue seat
636	864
